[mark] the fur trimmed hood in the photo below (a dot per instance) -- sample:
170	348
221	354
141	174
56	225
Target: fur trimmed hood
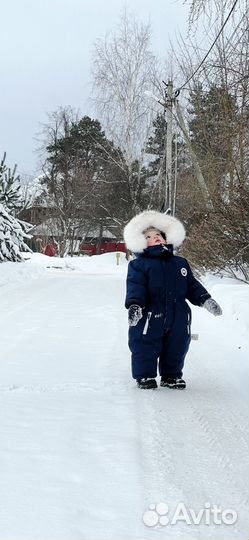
169	225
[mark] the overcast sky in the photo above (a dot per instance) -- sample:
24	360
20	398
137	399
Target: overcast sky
46	47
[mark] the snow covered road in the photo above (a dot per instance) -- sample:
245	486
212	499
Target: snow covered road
83	452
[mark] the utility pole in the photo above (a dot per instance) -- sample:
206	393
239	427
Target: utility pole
199	175
170	99
168	168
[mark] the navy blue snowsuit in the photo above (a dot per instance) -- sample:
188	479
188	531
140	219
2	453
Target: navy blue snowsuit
159	282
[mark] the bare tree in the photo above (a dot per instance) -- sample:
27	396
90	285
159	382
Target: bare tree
31	189
208	8
124	68
220	135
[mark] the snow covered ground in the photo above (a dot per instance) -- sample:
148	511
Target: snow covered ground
84	454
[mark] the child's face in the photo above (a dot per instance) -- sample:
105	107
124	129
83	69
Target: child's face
154	238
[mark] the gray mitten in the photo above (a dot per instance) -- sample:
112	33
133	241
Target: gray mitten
135	313
212	306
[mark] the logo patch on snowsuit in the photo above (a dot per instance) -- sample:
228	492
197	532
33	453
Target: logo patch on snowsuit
184	271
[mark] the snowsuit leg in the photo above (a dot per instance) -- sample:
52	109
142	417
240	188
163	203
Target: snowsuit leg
175	345
145	347
144	356
152	339
143	366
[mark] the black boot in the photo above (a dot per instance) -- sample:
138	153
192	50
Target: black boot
177	383
146	383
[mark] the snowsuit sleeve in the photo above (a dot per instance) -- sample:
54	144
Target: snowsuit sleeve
196	294
135	285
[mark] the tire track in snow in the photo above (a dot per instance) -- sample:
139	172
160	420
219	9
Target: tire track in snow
183	459
222	458
62	387
216	402
228	424
157	457
234	480
221	426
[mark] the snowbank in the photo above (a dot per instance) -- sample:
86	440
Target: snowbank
37	264
233	296
97	264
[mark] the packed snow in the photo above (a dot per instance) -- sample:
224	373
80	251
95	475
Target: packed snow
87	455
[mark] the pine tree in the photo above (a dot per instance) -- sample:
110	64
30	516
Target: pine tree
212	124
13	231
81	165
10	187
12	237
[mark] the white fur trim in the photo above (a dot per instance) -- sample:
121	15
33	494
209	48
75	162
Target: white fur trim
169	225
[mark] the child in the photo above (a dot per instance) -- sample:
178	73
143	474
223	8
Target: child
158	284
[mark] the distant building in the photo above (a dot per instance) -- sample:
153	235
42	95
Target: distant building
88	243
86	239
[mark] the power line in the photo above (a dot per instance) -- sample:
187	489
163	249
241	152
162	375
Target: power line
209	50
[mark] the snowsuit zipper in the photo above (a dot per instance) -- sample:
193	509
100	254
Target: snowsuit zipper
188	324
146	326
